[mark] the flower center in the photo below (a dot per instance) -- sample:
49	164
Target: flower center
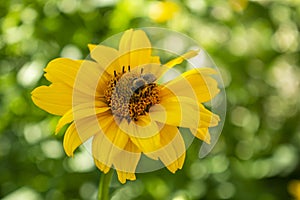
131	94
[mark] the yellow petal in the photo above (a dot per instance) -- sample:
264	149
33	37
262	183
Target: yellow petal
81	111
89	109
178	164
204	86
62	70
104	168
135	49
180	59
88	78
207	118
108	142
134	39
144	133
81	75
176	111
172	152
71	140
81	130
126	162
202	134
92	47
65	119
107	57
55	99
123	176
155	59
117	138
147	145
189	113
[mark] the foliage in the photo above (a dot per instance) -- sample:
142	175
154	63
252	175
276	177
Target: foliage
256	46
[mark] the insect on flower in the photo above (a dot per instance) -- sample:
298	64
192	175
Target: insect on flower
117	101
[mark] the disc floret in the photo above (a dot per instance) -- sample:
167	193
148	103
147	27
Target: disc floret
131	93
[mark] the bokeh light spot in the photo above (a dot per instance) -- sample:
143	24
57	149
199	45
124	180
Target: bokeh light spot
88	190
71	51
244	150
240	116
198	170
30	73
52	149
82	162
226	190
32	133
219	164
28	15
23	193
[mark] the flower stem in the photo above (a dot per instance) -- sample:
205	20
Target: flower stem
104	183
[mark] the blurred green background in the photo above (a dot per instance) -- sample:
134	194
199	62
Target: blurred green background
254	43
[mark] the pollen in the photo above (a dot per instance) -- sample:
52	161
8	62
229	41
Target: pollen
131	93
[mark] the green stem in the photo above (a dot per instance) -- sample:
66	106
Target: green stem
104	183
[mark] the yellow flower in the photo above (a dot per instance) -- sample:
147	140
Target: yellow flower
294	189
116	100
163	11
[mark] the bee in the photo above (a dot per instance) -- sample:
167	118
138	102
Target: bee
143	80
149	78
